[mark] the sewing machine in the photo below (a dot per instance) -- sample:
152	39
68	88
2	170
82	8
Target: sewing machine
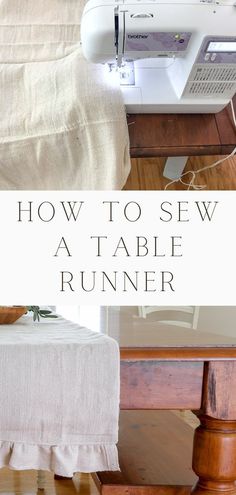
174	56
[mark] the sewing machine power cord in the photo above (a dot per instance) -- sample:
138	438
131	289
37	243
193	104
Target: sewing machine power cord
191	184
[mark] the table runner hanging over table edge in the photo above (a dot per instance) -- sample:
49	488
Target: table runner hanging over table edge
59	388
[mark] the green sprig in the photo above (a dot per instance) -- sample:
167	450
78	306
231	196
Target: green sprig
40	313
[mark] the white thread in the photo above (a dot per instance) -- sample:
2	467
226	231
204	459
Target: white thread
198	187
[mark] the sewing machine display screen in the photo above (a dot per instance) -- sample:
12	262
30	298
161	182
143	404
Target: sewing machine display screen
222	46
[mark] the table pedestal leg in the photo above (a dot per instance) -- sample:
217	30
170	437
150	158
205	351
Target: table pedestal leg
174	167
214	457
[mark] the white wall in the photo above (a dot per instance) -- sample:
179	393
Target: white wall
220	320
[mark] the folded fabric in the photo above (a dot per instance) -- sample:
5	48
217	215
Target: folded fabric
59	388
63	123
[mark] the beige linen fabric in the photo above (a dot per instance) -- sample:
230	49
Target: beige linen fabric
62	123
59	388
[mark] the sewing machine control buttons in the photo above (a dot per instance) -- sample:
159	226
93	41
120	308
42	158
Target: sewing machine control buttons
207	56
213	57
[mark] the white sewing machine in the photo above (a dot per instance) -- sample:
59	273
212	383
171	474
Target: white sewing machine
173	55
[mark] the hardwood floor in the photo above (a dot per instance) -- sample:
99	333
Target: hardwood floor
146	174
188	417
25	483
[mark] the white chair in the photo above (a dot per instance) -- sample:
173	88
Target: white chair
186	316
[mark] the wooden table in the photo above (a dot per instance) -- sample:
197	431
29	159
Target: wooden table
181	135
167	367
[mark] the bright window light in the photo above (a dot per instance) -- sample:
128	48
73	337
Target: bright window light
86	316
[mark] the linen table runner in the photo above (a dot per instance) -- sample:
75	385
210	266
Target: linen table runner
59	389
63	123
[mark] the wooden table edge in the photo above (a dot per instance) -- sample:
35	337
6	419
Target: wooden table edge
178	353
165	152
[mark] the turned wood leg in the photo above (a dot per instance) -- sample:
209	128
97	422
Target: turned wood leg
41	480
214	457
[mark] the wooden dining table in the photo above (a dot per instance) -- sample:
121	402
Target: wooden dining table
158	135
179	136
169	367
